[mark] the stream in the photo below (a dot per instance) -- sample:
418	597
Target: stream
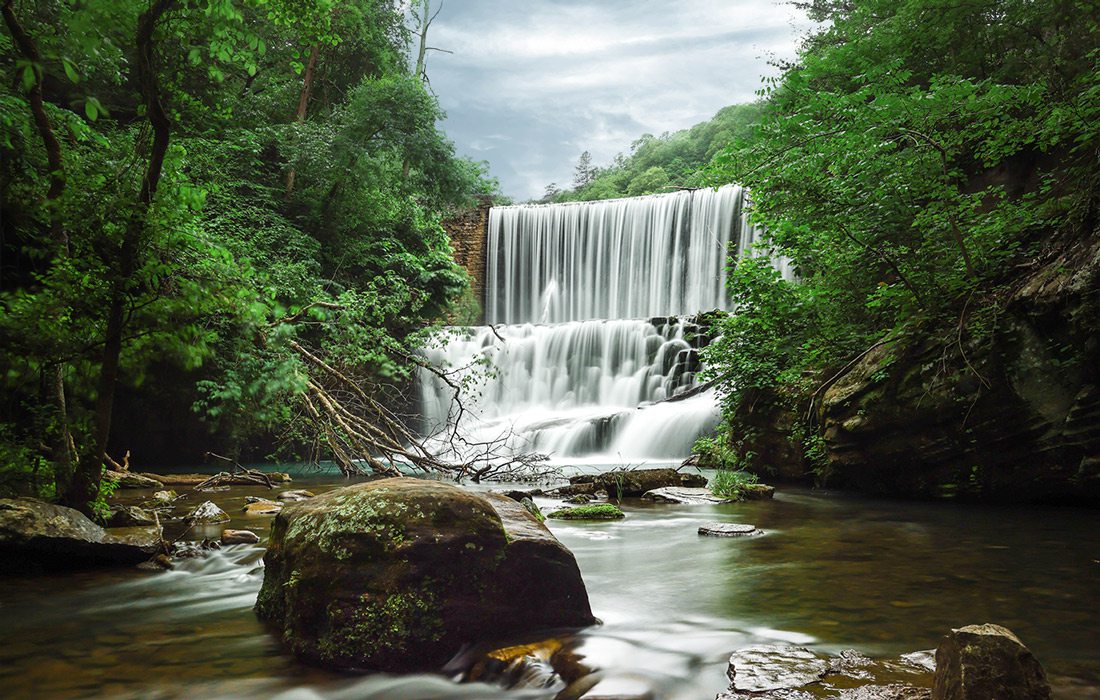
832	571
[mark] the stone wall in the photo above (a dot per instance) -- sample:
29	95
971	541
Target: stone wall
468	231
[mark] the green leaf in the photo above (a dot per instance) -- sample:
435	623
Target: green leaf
70	70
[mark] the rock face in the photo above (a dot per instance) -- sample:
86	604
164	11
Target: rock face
980	662
688	496
400	574
1013	414
37	536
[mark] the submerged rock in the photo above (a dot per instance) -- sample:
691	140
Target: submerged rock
37	536
682	495
979	662
728	530
261	506
164	497
130	516
600	511
206	513
400	574
295	496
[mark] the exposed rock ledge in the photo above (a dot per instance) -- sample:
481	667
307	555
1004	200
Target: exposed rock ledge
37	536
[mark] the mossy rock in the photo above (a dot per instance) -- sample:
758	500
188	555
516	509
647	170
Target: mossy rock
400	574
599	511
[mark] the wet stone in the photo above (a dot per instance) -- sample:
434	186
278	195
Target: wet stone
684	496
239	537
764	668
728	530
207	513
295	496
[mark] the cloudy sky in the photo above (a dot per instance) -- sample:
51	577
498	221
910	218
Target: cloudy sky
533	83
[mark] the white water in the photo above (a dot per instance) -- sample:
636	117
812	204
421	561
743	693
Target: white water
659	255
586	296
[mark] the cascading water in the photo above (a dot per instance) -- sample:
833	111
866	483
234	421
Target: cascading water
590	337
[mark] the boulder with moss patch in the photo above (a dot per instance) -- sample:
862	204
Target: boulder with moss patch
401	574
598	511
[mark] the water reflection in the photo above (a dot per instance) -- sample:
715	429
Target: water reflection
830	571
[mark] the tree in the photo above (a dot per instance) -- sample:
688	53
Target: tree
191	264
584	173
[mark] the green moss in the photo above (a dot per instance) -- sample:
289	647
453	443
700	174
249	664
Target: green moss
382	626
600	511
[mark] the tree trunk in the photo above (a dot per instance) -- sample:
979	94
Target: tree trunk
60	438
303	103
89	474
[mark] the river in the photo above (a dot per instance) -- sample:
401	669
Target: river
832	571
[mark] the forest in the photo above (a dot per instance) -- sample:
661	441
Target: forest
193	191
802	401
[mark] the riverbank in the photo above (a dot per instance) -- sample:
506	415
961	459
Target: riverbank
832	571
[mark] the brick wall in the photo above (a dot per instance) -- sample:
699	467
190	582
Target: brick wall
468	231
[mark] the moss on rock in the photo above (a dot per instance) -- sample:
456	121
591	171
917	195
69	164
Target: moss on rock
599	511
400	574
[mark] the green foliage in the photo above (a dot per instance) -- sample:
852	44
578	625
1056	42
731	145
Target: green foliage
266	230
731	483
100	508
903	171
660	163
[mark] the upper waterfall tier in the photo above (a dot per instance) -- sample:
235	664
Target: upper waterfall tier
660	255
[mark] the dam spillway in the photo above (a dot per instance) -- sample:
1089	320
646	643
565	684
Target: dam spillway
591	327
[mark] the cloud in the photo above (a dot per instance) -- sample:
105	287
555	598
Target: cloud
532	84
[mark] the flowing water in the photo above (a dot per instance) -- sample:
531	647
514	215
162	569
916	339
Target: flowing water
831	572
590	308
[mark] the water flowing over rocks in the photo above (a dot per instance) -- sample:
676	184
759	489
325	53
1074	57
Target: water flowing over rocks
400	574
979	662
38	536
596	313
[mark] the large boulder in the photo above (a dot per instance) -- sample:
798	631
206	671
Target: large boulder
401	574
979	662
37	536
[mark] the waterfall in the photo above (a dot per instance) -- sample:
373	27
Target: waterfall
592	330
660	255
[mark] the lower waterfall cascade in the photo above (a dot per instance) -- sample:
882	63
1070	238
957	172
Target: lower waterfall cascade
593	348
